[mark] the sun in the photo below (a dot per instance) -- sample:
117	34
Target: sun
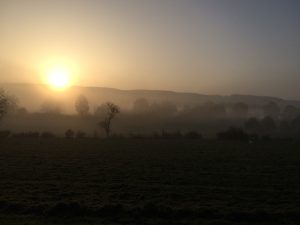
58	77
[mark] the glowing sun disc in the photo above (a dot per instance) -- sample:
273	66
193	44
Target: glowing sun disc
59	78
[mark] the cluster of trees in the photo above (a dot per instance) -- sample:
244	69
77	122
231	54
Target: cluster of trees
142	106
211	109
274	117
8	103
268	124
108	111
167	109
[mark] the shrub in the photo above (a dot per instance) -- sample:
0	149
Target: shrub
69	133
233	134
80	134
47	134
193	135
171	135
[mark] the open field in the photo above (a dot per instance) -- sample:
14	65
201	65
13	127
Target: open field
148	181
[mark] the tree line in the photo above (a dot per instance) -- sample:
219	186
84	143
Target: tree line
109	111
271	118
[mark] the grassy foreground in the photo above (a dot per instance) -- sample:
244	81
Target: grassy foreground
136	181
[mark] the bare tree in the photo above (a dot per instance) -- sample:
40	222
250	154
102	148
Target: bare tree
111	110
4	103
8	103
82	105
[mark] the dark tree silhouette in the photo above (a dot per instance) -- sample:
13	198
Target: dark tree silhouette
8	104
69	133
4	103
80	134
111	110
82	105
272	110
233	133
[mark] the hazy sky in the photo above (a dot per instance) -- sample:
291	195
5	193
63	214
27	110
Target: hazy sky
205	46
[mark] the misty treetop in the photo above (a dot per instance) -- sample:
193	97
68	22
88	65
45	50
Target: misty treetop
82	105
8	103
110	111
146	116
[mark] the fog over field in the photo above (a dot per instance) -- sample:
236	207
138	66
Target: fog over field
39	108
149	112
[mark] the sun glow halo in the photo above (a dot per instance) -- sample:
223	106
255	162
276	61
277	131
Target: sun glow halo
59	78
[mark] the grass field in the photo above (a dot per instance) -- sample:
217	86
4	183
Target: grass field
148	181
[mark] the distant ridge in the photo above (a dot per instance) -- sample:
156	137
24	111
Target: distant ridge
32	96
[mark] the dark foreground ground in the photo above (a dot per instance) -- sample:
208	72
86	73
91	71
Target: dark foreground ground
89	181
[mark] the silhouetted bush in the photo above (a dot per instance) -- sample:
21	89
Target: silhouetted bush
171	135
80	134
233	134
266	138
156	135
109	110
69	133
192	135
47	134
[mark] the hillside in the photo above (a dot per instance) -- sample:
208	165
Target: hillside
32	96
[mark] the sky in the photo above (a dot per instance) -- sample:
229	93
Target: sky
205	46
